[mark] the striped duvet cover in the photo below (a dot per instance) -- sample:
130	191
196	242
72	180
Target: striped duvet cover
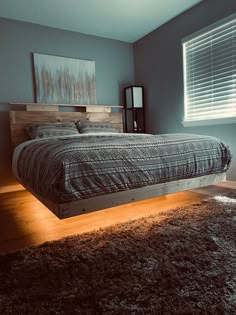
70	168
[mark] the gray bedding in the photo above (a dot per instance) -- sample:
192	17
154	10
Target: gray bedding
65	169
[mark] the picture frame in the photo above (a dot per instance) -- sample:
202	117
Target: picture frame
62	80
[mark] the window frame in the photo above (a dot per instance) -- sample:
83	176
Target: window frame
211	121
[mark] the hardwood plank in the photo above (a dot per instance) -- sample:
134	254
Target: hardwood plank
98	109
22	117
11	188
36	107
64	105
54	108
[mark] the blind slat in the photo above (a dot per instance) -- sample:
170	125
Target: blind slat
207	88
228	55
204	49
226	30
212	112
213	79
213	102
215	114
193	99
217	69
206	106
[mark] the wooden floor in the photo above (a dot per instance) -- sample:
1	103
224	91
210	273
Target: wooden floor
24	221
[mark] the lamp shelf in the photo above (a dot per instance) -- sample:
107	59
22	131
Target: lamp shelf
134	109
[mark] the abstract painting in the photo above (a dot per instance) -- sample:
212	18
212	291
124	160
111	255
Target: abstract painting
61	80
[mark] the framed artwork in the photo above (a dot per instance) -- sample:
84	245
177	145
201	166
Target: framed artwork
61	80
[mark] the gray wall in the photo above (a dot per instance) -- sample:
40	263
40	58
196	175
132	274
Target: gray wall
159	67
113	62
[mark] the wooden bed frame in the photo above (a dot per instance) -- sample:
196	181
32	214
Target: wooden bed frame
18	121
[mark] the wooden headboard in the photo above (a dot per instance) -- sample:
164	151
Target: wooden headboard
20	119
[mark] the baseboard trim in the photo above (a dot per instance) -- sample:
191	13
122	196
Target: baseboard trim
11	188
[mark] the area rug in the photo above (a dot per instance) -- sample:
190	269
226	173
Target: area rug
181	261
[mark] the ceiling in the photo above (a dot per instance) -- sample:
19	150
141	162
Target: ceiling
125	20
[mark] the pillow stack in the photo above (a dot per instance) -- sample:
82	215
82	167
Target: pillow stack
95	127
48	130
57	129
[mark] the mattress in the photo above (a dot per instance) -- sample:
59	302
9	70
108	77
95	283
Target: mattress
70	168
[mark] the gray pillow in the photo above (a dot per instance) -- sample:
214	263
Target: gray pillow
95	127
47	130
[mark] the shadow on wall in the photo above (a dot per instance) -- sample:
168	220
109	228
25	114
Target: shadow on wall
6	176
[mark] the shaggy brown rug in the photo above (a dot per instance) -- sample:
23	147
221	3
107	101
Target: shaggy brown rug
181	261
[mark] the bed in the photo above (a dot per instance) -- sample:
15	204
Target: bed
76	174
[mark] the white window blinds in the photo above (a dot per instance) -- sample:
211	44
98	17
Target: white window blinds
209	60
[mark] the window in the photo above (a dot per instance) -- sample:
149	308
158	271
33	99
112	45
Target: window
209	58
